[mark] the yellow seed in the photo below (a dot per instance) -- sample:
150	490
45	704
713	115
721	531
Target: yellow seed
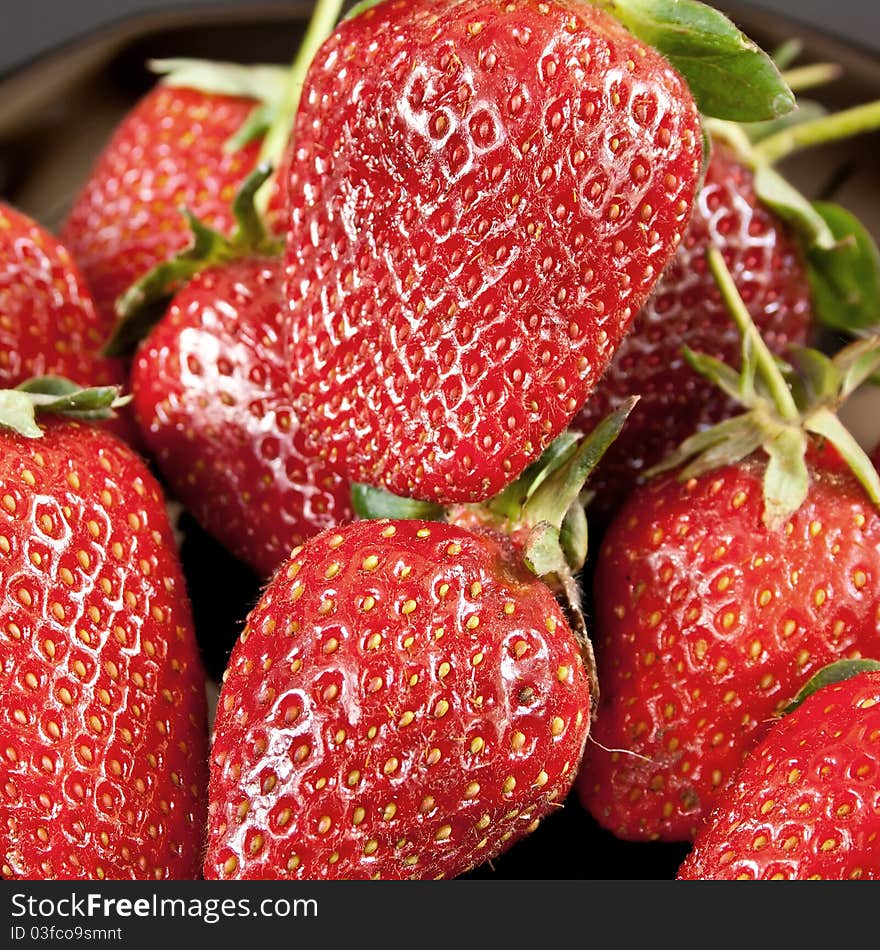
443	833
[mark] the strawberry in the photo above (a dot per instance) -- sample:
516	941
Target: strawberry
481	196
102	701
211	396
167	153
49	323
408	698
804	804
722	585
405	701
792	263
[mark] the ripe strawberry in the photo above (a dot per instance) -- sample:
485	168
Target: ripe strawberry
481	196
406	701
210	392
408	698
103	721
804	804
722	586
767	264
166	154
48	321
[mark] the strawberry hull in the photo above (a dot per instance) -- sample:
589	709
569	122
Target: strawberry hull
514	179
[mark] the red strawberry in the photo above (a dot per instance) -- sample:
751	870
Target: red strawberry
805	803
211	395
168	153
48	321
720	588
482	194
102	702
685	308
406	700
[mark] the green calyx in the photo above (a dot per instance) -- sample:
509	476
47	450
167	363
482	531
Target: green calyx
783	409
837	672
543	508
55	395
144	303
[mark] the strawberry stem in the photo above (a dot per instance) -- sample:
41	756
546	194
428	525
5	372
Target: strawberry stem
802	78
764	359
821	131
321	25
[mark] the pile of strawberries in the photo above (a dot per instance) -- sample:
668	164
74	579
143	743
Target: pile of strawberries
393	326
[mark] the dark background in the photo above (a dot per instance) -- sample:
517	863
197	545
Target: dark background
31	27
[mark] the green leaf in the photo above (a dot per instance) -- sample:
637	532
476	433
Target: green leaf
845	279
543	552
786	53
574	535
17	412
775	192
856	363
62	396
551	501
144	303
719	373
836	672
786	479
824	422
729	76
819	375
265	83
373	503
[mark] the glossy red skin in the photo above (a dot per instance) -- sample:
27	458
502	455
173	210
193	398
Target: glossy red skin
102	701
210	395
806	802
472	226
686	308
323	684
48	321
167	154
706	623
